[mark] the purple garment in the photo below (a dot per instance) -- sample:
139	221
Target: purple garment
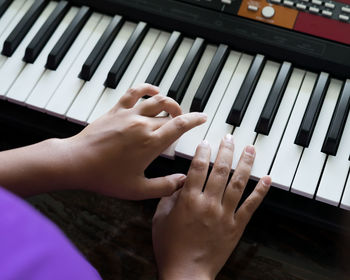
32	247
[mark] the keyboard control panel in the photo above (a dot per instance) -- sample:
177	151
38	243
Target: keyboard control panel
329	9
326	19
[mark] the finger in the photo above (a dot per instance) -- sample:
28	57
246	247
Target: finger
130	98
198	171
247	209
163	186
157	104
166	204
157	122
217	181
239	179
172	130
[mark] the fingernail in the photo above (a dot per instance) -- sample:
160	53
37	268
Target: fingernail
266	181
229	137
250	150
205	142
181	181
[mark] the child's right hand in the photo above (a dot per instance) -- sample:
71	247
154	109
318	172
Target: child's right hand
196	230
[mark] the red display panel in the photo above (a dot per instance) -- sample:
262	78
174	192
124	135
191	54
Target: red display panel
323	27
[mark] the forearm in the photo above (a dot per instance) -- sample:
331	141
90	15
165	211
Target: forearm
34	169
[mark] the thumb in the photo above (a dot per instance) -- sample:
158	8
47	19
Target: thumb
164	186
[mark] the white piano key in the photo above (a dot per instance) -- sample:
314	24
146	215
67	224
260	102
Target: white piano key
92	90
192	89
188	143
10	15
288	155
266	145
69	88
218	127
312	160
345	202
50	80
31	73
10	19
111	96
151	59
13	65
335	172
244	134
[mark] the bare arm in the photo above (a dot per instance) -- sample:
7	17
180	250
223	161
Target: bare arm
109	156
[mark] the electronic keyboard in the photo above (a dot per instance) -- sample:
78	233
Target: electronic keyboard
274	73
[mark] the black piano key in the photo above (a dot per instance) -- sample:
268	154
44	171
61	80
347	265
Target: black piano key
65	42
209	80
336	127
312	111
167	54
274	99
40	39
94	59
4	4
186	71
246	91
126	55
22	28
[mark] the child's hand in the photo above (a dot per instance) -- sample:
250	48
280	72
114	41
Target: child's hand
110	155
195	231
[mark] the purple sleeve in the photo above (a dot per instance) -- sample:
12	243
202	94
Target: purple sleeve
32	247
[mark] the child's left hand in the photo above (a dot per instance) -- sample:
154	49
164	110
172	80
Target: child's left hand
110	155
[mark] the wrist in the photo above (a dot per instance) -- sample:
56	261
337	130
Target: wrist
50	168
34	169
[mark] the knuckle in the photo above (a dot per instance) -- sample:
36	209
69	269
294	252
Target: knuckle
159	98
238	181
248	159
230	226
199	165
228	145
211	208
139	124
222	169
190	197
132	91
181	123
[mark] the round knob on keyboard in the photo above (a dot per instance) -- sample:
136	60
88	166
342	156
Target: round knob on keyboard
268	12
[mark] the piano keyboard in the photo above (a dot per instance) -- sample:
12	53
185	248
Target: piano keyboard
74	63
